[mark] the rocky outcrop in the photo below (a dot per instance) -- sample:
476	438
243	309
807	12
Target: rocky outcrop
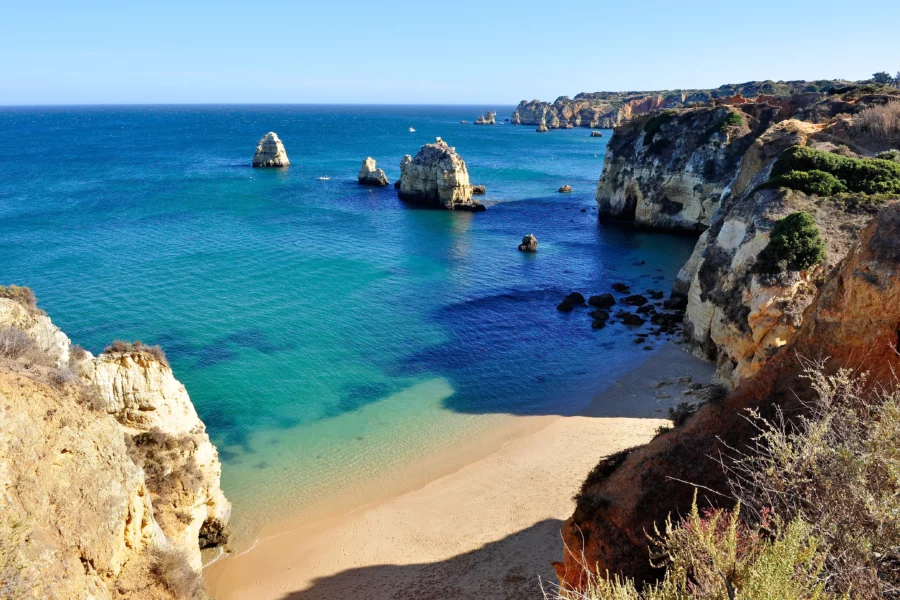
479	190
852	319
270	152
437	177
489	118
669	170
529	244
735	315
565	189
542	128
370	175
109	484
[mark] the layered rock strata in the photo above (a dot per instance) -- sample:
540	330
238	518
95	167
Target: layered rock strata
437	177
370	175
270	152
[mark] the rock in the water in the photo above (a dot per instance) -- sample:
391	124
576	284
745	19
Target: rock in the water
645	309
542	128
633	319
565	189
529	244
479	190
597	324
676	303
489	118
602	300
437	177
600	315
270	152
655	294
621	287
622	314
571	301
369	175
596	134
634	300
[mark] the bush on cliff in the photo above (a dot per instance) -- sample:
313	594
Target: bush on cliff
21	294
119	346
815	182
864	175
733	119
795	245
655	123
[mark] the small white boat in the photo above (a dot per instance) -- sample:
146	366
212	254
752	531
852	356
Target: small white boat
411	130
324	178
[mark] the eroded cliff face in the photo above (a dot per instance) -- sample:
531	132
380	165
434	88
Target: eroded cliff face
109	484
735	315
668	171
437	177
853	318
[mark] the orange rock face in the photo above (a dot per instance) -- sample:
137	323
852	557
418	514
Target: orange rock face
854	320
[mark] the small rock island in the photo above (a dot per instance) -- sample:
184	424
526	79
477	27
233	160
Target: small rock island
270	152
369	175
437	177
529	244
489	118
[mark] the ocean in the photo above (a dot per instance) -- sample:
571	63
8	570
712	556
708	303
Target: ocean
330	336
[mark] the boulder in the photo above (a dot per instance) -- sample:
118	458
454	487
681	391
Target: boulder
369	175
270	152
542	128
633	319
598	324
602	300
566	189
530	244
479	190
571	301
599	315
676	303
596	134
655	294
621	287
437	177
634	300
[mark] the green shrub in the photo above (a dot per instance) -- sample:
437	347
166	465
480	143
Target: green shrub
892	155
820	183
733	119
681	413
795	245
864	175
655	123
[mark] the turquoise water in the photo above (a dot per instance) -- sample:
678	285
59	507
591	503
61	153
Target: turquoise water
327	333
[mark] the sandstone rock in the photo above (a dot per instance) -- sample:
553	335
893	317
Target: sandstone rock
596	134
270	152
37	325
479	190
437	177
530	244
565	189
542	128
369	175
571	301
602	300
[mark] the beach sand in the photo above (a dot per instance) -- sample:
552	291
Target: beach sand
488	530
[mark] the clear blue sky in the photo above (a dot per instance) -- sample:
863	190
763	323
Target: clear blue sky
213	51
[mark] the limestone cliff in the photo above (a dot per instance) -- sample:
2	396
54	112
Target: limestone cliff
109	484
667	171
437	177
852	317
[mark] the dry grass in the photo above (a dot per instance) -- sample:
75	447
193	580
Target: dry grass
22	295
170	566
120	346
881	121
15	343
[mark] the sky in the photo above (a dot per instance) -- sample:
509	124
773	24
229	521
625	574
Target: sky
427	52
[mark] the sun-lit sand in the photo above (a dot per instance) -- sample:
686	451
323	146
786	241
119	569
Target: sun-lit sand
487	530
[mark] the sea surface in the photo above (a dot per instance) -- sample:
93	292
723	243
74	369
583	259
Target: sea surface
329	335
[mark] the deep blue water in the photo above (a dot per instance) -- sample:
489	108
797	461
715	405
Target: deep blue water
322	327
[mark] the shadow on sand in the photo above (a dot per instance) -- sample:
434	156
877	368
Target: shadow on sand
508	569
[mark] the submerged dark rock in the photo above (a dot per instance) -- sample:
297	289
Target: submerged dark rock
571	301
602	300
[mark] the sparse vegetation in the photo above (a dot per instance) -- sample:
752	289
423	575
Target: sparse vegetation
21	294
655	123
172	569
881	121
14	343
734	119
795	245
119	346
892	155
681	413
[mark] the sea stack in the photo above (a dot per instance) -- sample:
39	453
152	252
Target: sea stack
270	152
542	128
437	177
489	118
369	175
529	244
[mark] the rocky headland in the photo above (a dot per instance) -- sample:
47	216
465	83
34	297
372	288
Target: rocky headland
370	175
796	200
270	152
437	177
110	485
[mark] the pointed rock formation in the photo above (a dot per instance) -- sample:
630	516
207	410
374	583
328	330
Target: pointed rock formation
270	152
369	175
437	177
529	244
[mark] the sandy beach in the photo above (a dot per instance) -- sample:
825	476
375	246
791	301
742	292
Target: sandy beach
487	530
